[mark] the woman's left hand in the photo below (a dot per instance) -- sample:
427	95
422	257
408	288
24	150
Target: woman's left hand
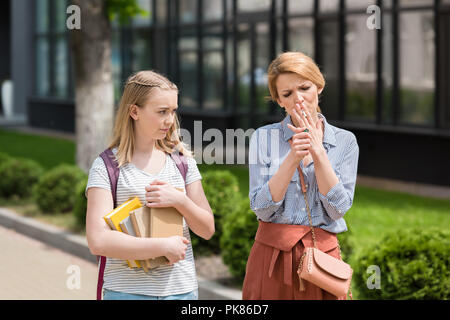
315	129
161	194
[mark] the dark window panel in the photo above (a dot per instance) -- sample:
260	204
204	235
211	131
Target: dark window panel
42	66
417	76
301	35
188	79
329	64
213	80
360	71
243	67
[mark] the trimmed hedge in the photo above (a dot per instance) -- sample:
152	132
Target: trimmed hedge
80	206
222	191
18	176
346	244
55	191
414	264
239	230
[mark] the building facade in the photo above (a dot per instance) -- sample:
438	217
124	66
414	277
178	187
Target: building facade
389	85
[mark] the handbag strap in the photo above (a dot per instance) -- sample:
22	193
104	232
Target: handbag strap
303	187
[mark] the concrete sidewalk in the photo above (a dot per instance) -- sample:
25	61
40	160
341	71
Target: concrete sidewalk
41	261
30	269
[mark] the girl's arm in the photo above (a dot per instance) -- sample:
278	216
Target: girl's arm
110	243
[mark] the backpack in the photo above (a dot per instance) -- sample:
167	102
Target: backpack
113	173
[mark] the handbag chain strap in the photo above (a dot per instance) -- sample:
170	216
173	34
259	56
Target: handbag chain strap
303	186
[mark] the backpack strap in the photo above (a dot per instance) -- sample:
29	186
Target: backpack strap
113	173
180	161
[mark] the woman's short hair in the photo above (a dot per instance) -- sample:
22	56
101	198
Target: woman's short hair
293	62
139	87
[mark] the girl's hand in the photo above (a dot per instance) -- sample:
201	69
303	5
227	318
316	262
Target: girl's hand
175	248
314	134
161	194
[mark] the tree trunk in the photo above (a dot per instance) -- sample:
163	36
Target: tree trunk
94	95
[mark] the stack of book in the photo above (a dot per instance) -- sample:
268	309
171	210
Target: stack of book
140	221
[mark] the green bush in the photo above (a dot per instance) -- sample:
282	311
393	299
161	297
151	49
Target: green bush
414	264
55	191
80	206
4	157
222	191
239	230
346	244
17	176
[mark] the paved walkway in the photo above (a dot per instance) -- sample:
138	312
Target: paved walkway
30	269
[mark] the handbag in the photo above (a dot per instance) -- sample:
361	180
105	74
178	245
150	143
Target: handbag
323	270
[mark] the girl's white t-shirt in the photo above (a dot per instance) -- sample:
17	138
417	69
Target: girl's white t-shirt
164	280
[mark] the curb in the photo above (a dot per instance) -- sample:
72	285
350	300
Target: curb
77	245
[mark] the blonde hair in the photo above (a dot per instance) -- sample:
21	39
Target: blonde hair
138	89
294	62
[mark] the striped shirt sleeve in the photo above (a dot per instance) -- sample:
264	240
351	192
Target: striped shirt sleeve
193	174
98	176
340	197
261	201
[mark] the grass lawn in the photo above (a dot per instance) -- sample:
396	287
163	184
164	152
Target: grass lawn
374	212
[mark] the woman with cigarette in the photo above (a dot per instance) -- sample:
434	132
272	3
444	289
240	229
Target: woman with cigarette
305	148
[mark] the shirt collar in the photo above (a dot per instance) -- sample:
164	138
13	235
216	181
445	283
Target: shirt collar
329	138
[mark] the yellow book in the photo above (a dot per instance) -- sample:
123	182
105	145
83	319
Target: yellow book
120	213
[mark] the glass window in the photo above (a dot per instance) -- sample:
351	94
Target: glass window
329	64
213	80
243	66
417	58
141	20
262	63
42	16
116	64
212	10
253	5
61	67
161	11
188	79
360	69
301	35
60	15
388	67
141	52
188	11
358	4
42	67
212	38
300	7
444	61
327	6
415	3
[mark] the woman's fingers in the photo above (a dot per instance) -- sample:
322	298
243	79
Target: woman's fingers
307	118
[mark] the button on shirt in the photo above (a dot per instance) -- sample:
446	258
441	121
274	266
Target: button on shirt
269	147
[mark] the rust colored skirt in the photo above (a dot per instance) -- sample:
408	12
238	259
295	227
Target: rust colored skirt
271	272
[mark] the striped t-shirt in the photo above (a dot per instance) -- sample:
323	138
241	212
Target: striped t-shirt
164	280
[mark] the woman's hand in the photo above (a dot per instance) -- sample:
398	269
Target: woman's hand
175	248
161	194
314	134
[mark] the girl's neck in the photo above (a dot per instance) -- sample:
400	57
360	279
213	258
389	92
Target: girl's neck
144	146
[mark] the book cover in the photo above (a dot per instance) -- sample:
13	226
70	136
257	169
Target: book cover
127	227
140	221
164	222
114	218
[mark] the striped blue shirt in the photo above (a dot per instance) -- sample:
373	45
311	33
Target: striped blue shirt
269	147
